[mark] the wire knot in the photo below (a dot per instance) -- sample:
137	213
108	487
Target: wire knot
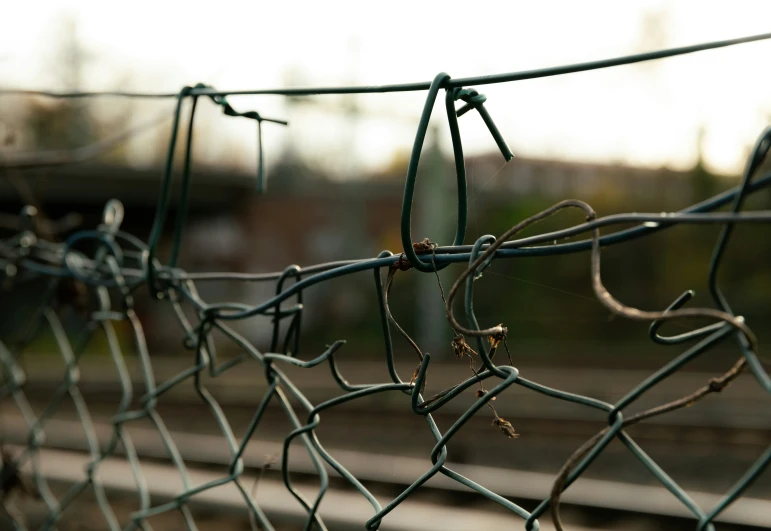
472	98
475	100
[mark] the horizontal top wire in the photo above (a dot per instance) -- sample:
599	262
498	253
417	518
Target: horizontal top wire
412	87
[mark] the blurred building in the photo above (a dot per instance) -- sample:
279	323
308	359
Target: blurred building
309	219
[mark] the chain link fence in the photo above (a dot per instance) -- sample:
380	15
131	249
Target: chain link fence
108	265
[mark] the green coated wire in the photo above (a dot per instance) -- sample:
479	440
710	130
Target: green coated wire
121	263
419	86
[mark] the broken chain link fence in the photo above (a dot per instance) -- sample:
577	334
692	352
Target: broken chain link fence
122	263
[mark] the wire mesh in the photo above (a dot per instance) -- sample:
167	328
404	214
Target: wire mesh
121	263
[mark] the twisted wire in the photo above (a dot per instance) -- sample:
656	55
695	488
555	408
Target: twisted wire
119	263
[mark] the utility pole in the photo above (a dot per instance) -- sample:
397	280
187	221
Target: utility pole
435	217
352	113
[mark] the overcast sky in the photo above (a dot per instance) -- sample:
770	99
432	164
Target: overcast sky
645	114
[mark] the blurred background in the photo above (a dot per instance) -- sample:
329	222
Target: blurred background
650	137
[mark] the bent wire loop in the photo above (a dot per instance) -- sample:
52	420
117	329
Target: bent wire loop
473	100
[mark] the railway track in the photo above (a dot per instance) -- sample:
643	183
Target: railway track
64	460
713	444
743	405
275	501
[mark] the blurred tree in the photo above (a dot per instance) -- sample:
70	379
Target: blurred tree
51	124
704	181
294	77
62	124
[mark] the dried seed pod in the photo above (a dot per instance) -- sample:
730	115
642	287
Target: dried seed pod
424	246
506	427
496	339
460	347
483	392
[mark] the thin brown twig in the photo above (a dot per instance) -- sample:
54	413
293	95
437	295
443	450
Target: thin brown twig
508	352
491	249
269	461
715	385
462	349
459	344
603	295
405	335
